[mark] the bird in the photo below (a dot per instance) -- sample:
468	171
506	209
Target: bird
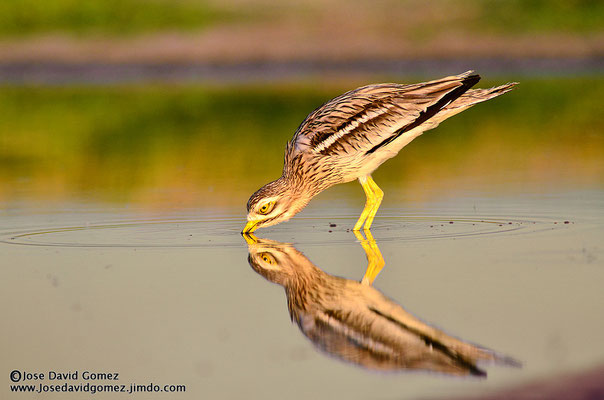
350	136
354	322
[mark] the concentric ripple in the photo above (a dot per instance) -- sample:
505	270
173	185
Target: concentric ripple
224	232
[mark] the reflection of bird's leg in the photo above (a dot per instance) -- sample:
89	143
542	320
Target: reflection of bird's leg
375	261
374	198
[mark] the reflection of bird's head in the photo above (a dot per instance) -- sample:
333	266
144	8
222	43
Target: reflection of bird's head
278	262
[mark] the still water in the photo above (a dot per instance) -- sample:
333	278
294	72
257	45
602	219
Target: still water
121	252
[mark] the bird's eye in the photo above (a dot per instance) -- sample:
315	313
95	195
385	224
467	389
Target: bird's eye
266	208
267	258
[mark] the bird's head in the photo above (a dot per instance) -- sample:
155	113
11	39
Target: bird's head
273	203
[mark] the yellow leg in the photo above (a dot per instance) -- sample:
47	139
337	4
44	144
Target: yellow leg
374	199
368	203
378	195
375	261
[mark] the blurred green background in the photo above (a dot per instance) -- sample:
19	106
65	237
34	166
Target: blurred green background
86	116
119	17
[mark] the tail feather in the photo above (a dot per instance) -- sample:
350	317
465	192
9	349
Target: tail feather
467	100
474	96
439	94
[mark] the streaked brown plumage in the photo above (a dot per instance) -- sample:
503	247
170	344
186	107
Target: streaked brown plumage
356	323
351	135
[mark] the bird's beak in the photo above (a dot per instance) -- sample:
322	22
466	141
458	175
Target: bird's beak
250	227
250	238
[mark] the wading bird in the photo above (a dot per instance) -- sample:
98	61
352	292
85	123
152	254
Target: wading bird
350	136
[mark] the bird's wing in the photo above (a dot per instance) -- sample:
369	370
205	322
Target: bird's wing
367	118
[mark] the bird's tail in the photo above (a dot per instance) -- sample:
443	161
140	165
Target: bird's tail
475	96
467	100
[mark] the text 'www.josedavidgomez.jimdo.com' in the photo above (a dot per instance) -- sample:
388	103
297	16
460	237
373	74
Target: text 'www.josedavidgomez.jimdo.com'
89	382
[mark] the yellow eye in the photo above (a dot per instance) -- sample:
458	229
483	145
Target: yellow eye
267	258
266	208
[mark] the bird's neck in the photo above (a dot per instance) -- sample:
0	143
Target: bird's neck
299	186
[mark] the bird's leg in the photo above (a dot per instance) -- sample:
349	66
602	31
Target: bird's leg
369	204
375	261
378	195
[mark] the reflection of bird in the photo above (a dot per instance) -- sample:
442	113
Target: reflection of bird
358	324
350	136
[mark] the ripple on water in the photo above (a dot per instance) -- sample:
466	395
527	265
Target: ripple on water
224	232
